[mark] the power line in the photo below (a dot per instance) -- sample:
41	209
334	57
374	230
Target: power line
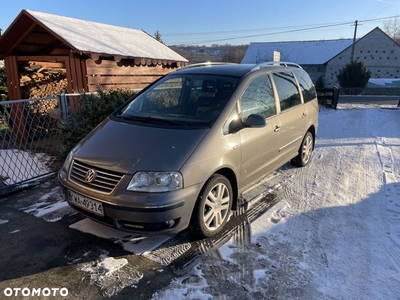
302	28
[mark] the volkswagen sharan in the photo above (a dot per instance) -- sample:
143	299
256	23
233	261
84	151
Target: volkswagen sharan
180	153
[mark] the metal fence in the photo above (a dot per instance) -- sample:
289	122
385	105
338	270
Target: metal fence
30	138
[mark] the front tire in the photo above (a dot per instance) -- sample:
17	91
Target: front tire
305	151
212	208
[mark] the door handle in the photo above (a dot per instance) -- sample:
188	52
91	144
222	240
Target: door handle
277	128
304	115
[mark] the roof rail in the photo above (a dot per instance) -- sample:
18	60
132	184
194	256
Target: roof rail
207	63
276	63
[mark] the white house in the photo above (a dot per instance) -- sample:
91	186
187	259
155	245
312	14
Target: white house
379	53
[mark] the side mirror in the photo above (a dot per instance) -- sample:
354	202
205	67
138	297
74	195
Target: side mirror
255	121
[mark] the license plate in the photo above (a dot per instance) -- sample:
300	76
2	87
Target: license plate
86	203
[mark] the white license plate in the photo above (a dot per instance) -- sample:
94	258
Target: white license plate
86	203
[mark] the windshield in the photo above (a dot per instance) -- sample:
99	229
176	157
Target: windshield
182	100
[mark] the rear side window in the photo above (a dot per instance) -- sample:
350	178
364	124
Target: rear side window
306	85
288	92
258	98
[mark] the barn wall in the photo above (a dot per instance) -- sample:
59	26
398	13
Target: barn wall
379	53
125	74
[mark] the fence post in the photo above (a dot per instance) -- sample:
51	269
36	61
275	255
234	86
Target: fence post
62	100
335	100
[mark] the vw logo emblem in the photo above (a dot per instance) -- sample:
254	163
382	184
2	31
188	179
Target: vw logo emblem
90	175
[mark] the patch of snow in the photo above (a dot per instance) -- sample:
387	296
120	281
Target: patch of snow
93	37
16	165
3	221
51	206
307	52
111	275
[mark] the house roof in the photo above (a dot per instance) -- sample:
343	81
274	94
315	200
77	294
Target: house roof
87	37
301	52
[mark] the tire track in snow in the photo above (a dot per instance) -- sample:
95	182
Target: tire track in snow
391	191
333	194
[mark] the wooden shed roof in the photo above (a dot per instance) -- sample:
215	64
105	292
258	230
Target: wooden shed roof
38	33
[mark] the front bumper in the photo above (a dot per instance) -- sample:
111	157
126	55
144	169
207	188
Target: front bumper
168	212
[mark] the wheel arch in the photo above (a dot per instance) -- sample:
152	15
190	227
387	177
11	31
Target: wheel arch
311	129
230	175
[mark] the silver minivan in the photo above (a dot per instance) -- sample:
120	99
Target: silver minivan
181	152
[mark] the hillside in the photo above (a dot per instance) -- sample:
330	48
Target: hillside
197	54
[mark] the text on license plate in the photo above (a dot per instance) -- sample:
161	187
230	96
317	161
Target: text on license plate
86	203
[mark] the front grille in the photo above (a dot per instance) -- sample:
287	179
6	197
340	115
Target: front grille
105	181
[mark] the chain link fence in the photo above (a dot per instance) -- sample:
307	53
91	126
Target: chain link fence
30	138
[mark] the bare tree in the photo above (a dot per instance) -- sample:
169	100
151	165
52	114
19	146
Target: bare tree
234	56
392	28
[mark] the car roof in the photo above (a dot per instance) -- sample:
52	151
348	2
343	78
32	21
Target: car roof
229	69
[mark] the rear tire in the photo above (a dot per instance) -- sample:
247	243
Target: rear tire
212	208
305	151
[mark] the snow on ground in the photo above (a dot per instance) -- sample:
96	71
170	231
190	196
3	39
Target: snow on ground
111	275
334	234
336	231
16	165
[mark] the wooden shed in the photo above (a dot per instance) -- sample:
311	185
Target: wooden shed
80	55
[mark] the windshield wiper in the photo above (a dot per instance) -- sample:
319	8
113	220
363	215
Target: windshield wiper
152	120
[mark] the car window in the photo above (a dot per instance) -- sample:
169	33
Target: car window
188	99
258	98
306	85
288	92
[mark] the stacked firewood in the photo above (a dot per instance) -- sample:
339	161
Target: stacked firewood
43	79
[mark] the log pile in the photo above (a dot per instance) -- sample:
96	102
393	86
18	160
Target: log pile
43	79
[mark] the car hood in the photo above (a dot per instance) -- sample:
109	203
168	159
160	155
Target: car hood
127	148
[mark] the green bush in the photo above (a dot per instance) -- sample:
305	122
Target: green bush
354	75
91	110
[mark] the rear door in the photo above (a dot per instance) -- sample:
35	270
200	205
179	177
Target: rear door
292	114
309	98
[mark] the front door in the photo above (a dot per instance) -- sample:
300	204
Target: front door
259	145
292	115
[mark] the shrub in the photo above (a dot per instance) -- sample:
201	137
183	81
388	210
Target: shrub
92	109
354	75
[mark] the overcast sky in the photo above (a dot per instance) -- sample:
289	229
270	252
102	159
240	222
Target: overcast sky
219	21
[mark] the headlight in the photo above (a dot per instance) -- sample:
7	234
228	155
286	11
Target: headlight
155	182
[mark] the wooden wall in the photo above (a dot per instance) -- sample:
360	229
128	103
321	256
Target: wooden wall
125	74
